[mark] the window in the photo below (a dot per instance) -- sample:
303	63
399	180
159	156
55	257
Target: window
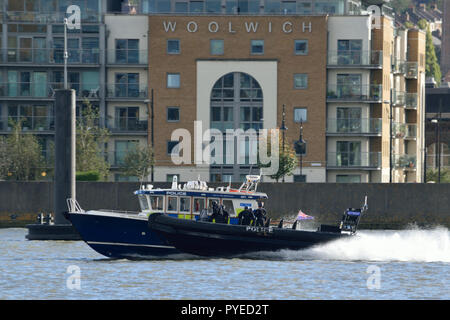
173	114
216	47
349	178
300	81
127	51
348	153
257	47
349	52
199	204
127	85
300	115
173	80
143	202
122	148
172	147
288	7
197	6
181	7
299	178
173	46
127	118
185	204
172	204
301	47
348	120
169	177
156	202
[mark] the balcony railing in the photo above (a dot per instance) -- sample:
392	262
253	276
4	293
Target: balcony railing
398	66
411	100
53	17
49	56
355	58
29	123
354	92
398	98
404	131
411	70
46	90
369	160
354	126
127	90
127	124
404	161
127	56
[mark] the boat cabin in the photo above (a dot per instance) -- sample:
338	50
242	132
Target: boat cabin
188	200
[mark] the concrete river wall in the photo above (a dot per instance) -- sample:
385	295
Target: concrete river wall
390	205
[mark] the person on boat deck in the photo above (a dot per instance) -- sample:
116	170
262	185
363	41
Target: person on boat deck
246	217
260	216
219	214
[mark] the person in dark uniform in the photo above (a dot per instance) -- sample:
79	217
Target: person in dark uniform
216	215
260	216
246	217
225	214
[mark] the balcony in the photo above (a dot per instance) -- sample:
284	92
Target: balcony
354	127
43	90
127	125
355	59
354	160
404	161
398	66
398	98
411	69
32	124
88	15
354	93
30	56
411	101
404	131
127	91
127	57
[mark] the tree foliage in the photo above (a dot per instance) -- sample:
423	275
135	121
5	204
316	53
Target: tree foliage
21	155
433	174
287	159
90	139
137	162
432	68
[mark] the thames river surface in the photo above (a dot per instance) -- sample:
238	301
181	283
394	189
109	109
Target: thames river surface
407	264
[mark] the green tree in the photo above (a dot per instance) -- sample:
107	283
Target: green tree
400	6
89	141
287	159
432	175
432	68
137	163
21	155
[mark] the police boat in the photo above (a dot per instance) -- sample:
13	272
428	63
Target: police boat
215	239
124	234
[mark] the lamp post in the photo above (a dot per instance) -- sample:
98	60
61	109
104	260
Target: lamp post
300	148
438	145
283	128
150	131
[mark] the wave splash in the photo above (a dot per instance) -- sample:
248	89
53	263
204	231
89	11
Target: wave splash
412	245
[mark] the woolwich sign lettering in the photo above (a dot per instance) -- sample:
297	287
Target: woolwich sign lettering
249	27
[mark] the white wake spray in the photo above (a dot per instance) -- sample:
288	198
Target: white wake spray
413	245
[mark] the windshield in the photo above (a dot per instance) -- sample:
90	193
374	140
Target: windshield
156	203
143	202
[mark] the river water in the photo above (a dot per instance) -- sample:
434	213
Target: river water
406	264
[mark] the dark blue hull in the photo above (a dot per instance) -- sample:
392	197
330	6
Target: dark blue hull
120	237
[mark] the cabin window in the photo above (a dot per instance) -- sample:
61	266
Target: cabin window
229	207
157	202
199	204
172	204
143	202
185	204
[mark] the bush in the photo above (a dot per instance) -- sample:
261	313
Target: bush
88	176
